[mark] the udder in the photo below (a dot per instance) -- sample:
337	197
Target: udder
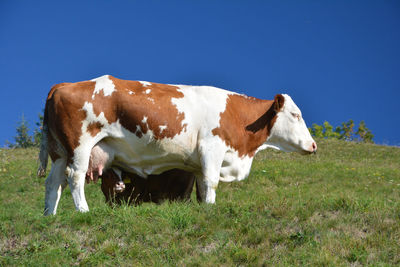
101	158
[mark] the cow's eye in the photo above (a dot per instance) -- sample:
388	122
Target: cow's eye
296	116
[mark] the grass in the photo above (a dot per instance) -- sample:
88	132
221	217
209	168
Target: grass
340	207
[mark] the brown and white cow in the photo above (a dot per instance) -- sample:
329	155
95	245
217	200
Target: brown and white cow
152	128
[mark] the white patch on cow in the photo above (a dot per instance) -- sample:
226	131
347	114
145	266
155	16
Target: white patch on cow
129	91
138	130
149	136
290	133
91	117
145	83
162	128
201	105
234	167
147	91
103	83
150	99
86	138
265	146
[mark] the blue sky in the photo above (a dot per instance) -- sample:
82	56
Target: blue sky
339	60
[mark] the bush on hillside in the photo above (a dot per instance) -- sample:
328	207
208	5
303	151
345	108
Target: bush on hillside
23	139
344	132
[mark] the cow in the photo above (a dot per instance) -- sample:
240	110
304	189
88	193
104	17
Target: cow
152	127
172	185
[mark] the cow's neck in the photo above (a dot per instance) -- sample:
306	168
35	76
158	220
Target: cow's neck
245	124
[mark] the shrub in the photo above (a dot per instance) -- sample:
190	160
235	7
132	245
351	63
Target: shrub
23	139
344	132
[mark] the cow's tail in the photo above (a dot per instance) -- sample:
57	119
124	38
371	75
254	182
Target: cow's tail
44	144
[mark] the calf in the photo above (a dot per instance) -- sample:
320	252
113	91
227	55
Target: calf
171	185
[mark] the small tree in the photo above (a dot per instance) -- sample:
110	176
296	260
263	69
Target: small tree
338	132
347	130
365	134
328	132
323	131
344	132
22	139
37	133
316	130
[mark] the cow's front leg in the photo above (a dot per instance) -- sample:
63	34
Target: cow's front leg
206	187
212	155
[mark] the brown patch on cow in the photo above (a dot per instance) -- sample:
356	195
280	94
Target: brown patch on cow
155	105
268	118
94	128
65	114
52	148
247	121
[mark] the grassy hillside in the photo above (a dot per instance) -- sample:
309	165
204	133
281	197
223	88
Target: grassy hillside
339	207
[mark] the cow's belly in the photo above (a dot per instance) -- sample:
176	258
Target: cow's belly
145	156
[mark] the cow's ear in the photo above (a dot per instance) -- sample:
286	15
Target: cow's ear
278	102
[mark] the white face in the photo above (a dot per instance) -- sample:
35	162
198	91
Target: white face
290	133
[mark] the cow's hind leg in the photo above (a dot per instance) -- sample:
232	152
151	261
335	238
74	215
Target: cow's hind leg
76	181
55	184
76	173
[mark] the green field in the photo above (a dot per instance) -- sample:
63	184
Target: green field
340	207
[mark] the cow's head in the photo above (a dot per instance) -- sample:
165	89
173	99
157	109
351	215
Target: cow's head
289	132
